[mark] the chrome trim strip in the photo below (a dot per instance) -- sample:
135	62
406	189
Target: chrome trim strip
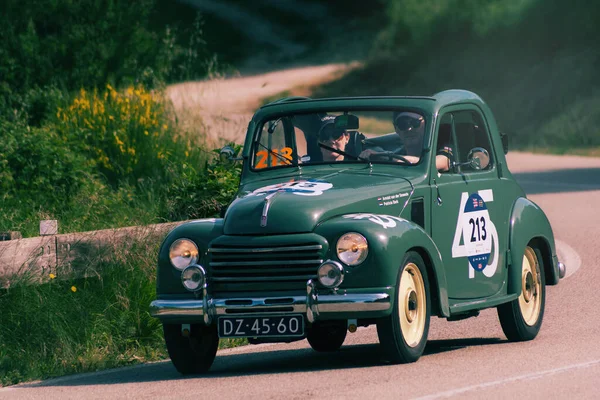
265	212
265	249
275	262
262	278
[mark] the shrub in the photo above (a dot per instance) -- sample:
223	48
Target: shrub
203	193
127	135
38	163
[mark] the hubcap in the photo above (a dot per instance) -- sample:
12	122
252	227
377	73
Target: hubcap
530	300
413	305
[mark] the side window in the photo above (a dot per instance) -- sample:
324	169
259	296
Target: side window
470	133
445	141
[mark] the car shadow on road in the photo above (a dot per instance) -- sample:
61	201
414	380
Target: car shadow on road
559	181
263	362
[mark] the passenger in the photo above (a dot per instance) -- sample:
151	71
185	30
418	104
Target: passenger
336	138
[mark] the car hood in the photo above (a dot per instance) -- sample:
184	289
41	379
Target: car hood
298	204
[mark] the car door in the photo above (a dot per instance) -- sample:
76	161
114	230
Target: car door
469	214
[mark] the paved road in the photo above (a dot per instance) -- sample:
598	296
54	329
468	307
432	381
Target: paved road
465	359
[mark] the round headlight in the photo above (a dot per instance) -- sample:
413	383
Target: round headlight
193	277
183	252
352	248
330	274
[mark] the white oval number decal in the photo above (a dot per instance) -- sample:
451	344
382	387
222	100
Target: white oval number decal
480	238
301	188
475	223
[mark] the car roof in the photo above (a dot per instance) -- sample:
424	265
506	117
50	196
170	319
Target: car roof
428	104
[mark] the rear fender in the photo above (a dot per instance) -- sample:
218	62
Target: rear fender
530	226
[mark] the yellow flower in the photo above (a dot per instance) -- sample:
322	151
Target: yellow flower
52	276
73	289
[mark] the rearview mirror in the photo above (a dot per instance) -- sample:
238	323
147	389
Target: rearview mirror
346	122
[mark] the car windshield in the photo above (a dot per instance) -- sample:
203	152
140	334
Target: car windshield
386	136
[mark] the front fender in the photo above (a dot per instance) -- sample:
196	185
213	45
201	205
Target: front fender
528	223
389	238
202	232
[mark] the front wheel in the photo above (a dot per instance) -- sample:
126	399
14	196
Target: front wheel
521	319
327	336
195	353
403	334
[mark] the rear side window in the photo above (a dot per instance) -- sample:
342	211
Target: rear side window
463	131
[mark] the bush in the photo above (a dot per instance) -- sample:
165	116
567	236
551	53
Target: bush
203	193
38	163
127	135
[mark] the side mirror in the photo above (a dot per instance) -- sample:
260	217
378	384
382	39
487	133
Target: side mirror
504	138
227	154
479	158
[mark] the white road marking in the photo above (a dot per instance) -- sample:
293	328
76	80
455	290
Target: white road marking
568	256
525	377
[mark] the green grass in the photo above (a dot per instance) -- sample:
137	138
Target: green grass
68	326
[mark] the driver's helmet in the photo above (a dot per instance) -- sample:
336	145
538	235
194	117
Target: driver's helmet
406	121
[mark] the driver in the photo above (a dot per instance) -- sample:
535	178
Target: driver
336	138
410	127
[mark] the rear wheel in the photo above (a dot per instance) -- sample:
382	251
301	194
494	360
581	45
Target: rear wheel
327	336
521	319
403	334
195	353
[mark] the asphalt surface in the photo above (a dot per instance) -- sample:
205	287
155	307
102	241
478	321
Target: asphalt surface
465	359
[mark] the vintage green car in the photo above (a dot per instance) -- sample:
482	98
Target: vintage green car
359	211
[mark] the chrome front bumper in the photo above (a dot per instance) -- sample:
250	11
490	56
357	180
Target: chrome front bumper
313	305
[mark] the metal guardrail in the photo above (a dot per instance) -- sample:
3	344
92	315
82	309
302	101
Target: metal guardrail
69	253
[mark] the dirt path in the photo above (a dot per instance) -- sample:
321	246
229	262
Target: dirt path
221	108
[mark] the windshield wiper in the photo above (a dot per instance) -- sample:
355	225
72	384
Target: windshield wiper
337	151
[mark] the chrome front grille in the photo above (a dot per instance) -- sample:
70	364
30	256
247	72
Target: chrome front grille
274	267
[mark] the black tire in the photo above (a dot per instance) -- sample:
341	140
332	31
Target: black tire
327	336
521	319
194	354
403	334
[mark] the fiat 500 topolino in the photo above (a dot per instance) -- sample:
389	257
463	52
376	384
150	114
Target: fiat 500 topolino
354	212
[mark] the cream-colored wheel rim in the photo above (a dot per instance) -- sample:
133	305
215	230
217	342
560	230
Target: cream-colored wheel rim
530	300
412	304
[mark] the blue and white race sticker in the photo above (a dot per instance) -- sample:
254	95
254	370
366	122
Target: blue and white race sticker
310	187
476	235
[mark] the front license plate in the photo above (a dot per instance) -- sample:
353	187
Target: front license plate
282	325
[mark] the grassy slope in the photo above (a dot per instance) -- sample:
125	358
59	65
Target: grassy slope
539	76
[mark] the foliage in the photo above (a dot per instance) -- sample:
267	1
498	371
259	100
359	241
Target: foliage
534	62
204	193
38	163
127	135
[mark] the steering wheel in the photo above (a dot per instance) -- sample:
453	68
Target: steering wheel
399	157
